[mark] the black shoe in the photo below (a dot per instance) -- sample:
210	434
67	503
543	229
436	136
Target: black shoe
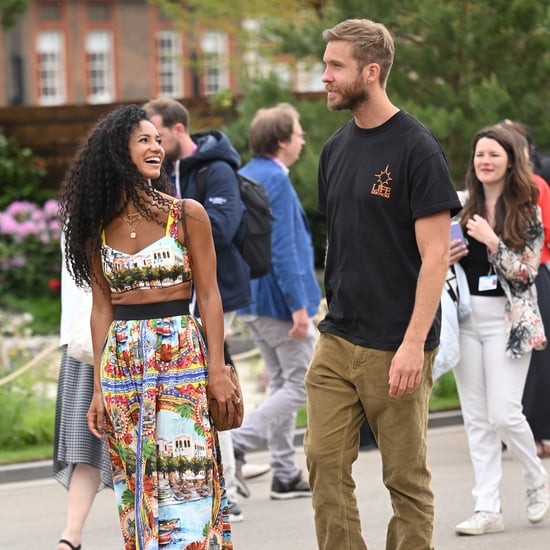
240	483
293	488
234	512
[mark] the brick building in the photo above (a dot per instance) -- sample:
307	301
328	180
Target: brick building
104	51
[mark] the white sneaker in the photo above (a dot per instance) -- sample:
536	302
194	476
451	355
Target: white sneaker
537	503
480	524
234	512
251	471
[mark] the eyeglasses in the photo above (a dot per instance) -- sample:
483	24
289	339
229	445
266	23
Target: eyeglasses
300	134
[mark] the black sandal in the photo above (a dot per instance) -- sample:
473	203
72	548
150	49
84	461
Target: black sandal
69	544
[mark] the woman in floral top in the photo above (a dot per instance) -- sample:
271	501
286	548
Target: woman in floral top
504	234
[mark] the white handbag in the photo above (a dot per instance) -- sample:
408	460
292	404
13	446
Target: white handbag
80	343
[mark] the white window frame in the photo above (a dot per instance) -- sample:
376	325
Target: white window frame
169	69
308	77
215	46
50	52
99	66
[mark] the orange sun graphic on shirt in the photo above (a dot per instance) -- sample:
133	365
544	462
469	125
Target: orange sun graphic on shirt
382	187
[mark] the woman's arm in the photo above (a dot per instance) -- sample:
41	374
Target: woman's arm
200	245
100	320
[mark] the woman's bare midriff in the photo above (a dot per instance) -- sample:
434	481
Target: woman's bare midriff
181	291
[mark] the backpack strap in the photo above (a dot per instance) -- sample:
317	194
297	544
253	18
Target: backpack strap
200	182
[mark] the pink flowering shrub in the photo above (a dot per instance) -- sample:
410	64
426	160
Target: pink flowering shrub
30	254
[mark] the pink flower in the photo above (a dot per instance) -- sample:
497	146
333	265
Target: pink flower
8	225
21	209
51	208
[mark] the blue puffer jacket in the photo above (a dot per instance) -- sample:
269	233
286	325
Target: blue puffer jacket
225	209
291	284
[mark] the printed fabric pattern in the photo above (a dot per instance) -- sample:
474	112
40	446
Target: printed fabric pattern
516	273
167	471
162	264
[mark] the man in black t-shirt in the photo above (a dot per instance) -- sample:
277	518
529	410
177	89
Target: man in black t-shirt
385	189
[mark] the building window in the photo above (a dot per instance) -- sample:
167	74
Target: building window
49	11
51	68
169	70
99	11
99	67
214	49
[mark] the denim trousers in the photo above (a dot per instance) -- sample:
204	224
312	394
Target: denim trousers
344	383
490	387
286	362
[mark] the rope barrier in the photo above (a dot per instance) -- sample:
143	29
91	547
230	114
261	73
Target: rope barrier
32	363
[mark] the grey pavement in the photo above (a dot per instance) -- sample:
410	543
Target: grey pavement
32	512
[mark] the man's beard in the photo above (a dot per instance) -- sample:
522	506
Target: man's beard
174	153
350	97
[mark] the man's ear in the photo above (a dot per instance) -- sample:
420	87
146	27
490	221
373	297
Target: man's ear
371	73
180	128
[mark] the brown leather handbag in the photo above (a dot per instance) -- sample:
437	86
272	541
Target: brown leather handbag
220	425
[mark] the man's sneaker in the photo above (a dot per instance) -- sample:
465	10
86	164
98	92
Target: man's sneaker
537	503
234	512
480	524
295	487
250	471
240	483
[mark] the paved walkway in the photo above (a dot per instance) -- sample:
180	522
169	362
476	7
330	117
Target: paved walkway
32	512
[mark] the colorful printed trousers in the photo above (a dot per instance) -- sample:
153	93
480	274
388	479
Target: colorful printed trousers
166	462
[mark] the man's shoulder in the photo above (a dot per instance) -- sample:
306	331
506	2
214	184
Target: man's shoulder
215	170
258	168
336	136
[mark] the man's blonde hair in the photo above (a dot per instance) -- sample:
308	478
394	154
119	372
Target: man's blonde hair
371	43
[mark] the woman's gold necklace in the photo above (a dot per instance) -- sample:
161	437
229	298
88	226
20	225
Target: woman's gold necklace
132	220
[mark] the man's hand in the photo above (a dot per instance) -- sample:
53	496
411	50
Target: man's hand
300	324
406	370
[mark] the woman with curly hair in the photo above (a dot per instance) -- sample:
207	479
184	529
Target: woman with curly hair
503	224
140	250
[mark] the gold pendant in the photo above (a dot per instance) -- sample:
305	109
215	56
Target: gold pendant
133	235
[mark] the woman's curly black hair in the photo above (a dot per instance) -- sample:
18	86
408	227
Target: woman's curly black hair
101	180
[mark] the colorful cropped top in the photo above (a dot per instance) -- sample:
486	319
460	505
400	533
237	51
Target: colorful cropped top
162	264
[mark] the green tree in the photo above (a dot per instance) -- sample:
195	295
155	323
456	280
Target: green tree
11	11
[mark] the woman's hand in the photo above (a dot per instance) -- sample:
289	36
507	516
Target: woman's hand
222	389
478	228
96	415
457	250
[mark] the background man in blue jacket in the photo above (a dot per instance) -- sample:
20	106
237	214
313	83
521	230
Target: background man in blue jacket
283	302
212	151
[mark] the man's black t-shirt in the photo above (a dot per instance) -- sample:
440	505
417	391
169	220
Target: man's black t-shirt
373	185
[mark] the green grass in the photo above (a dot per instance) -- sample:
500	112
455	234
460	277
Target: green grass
27	414
45	311
34	452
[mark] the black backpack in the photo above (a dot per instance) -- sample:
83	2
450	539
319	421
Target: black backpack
254	237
